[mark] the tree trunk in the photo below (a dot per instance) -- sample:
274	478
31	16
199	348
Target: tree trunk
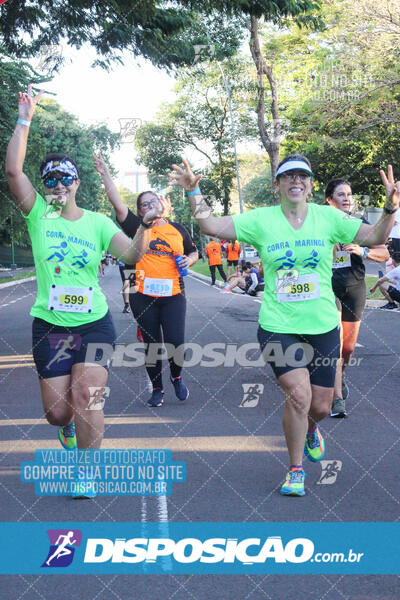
270	133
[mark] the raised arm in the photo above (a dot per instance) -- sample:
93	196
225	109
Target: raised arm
221	227
121	210
375	235
132	251
20	186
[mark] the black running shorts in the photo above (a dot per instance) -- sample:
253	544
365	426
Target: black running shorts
56	349
352	298
288	351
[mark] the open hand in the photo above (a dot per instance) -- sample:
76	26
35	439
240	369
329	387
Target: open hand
184	177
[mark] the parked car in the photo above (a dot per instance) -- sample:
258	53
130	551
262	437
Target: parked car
250	253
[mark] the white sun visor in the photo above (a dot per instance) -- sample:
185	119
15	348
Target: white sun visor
293	165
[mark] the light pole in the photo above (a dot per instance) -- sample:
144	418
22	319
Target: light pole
228	93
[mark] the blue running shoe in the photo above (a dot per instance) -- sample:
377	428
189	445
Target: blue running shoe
294	483
83	488
157	398
181	391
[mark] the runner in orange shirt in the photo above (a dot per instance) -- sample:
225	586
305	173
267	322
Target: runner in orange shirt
233	251
159	304
213	251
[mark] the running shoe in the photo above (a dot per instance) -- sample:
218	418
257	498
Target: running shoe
294	483
126	309
181	391
338	409
345	388
83	488
314	447
225	291
389	306
67	437
157	398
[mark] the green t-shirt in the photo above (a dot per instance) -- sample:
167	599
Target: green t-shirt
67	253
298	296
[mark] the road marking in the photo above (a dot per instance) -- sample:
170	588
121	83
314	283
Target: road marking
16	300
233	443
15	365
13	361
17	357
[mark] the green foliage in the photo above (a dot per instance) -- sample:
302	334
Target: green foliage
165	34
258	192
158	150
53	130
13	76
199	121
339	92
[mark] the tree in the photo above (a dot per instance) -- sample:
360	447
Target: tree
199	121
343	91
53	130
165	33
270	126
258	191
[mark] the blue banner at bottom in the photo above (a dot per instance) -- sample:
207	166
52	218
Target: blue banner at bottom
199	548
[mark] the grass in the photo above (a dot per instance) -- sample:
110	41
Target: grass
203	268
370	281
24	275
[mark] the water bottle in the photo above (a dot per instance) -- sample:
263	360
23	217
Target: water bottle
178	259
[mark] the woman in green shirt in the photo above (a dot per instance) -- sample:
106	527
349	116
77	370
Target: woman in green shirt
70	311
298	321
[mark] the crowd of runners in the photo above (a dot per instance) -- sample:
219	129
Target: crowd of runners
312	275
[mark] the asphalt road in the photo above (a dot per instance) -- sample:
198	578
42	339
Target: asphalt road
235	455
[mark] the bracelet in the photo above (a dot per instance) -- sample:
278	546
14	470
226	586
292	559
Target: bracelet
146	225
23	122
194	192
389	211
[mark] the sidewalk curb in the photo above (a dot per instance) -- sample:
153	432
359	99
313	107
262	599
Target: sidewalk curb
371	303
207	279
18	281
374	303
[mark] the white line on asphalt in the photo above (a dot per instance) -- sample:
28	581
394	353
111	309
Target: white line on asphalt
16	300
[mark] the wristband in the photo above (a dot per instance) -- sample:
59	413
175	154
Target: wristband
362	252
146	225
23	122
389	211
194	192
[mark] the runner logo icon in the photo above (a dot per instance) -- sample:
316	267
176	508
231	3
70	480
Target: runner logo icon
62	547
330	471
251	394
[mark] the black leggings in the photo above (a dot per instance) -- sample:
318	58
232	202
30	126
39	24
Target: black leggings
160	314
221	272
